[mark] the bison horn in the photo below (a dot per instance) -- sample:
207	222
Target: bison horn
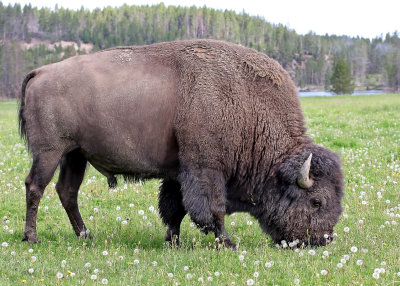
303	180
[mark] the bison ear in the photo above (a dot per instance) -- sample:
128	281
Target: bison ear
303	179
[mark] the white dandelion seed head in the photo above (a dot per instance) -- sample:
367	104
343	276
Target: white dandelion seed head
93	277
325	253
324	272
359	262
141	212
241	257
105	252
104	281
353	249
4	244
311	252
33	258
118	218
136	251
346	229
375	275
217	273
186	268
189	276
88	264
154	263
250	282
131	205
59	275
170	275
96	271
30	270
136	261
339	265
346	256
296	281
13	253
256	274
209	278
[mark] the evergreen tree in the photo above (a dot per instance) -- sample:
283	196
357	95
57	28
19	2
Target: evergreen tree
342	80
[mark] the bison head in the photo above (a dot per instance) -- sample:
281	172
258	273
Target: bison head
306	203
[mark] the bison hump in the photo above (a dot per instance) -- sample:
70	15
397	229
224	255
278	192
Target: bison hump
260	65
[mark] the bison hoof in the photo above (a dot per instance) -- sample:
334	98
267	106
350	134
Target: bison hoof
225	243
30	238
173	239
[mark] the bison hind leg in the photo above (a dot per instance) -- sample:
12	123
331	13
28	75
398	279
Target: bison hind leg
171	209
72	171
43	168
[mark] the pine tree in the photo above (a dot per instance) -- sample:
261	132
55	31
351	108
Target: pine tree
342	80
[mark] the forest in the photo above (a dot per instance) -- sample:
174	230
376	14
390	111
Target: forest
31	37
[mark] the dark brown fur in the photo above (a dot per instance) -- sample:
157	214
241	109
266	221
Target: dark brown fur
221	124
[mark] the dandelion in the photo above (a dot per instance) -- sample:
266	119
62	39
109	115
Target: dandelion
118	218
88	264
136	261
250	282
354	249
63	263
105	252
13	253
325	253
201	280
104	281
59	275
118	208
347	257
96	271
343	261
186	268
69	248
170	275
11	231
359	262
269	264
375	275
209	278
141	212
131	205
4	244
124	222
96	210
33	258
136	251
31	270
311	252
324	272
217	273
249	222
241	257
346	229
383	263
255	274
296	281
93	277
339	265
151	208
189	276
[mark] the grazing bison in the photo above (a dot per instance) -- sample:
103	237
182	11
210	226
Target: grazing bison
219	123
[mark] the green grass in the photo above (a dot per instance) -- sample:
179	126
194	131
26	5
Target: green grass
364	130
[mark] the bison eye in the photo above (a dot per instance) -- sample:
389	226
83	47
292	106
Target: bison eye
316	203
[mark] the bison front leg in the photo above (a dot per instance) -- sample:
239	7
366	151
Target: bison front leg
204	197
171	209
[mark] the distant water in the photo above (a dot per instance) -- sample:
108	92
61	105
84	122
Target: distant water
328	93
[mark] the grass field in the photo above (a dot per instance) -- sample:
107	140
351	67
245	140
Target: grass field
128	246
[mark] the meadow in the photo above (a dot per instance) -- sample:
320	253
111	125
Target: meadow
128	246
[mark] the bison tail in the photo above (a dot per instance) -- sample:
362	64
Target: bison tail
21	118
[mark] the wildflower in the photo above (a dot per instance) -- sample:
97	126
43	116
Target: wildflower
347	257
88	264
96	271
124	222
141	212
93	277
375	275
354	249
296	281
151	208
241	257
105	252
359	262
131	205
154	263
217	273
209	278
346	229
30	250
325	253
170	275
59	275
324	272
189	276
250	282
69	248
63	263
201	280
269	264
23	281
33	258
31	270
96	210
4	244
118	218
249	222
339	265
383	263
343	261
136	261
186	268
118	208
13	253
11	231
104	281
311	252
136	251
255	274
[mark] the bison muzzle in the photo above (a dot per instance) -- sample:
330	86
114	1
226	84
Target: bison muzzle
219	123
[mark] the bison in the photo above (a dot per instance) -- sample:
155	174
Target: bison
219	123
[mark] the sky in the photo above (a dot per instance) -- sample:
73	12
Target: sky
364	18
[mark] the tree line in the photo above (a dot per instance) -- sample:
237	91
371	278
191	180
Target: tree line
310	59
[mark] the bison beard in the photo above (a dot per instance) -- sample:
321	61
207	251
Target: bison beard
220	124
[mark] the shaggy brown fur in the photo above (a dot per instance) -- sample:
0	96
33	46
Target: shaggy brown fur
220	123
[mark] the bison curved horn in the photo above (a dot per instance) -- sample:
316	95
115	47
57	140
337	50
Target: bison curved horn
303	180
